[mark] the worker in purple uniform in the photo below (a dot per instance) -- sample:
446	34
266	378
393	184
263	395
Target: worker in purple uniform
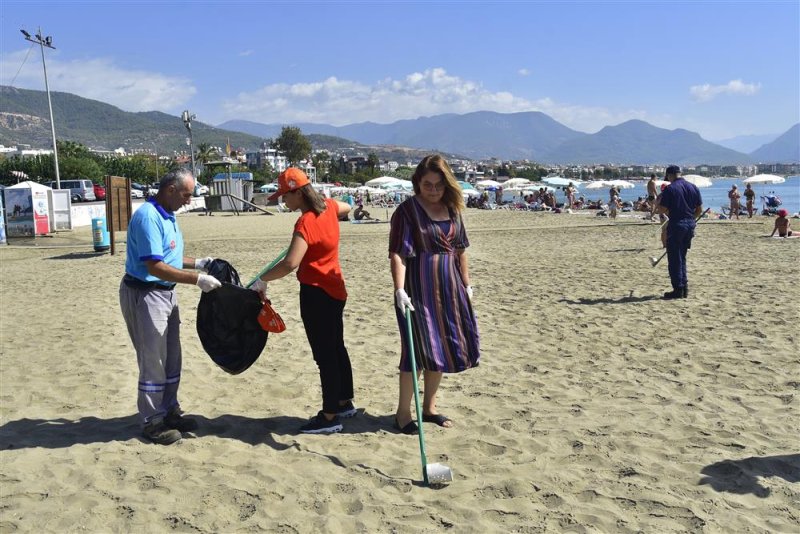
681	201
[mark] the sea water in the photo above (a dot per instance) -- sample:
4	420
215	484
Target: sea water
714	197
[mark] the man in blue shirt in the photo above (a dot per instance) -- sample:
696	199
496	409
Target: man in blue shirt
681	201
154	263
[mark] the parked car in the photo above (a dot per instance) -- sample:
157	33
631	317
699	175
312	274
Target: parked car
99	192
268	188
80	190
200	190
138	190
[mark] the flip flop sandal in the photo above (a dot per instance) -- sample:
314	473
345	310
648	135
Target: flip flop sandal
409	429
439	419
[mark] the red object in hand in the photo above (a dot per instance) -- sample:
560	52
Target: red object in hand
269	319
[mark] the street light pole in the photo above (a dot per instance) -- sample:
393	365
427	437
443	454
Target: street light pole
187	121
156	150
47	42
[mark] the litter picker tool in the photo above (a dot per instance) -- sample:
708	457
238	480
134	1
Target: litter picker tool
433	474
268	267
655	261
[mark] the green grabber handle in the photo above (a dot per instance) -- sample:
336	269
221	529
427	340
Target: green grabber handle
268	267
416	397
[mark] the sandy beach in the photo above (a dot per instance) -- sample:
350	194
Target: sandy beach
597	407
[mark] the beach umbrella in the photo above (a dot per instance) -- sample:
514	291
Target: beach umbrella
765	179
696	179
516	182
558	181
487	183
19	175
598	184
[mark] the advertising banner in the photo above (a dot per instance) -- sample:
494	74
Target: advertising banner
19	213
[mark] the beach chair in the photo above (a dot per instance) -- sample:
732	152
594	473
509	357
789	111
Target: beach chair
282	208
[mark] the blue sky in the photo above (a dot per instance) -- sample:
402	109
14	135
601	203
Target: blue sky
722	69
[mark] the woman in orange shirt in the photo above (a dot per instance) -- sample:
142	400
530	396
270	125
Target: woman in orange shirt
314	252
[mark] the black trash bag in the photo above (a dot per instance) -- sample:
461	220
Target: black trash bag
227	321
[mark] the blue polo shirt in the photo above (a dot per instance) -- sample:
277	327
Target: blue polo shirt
153	234
681	198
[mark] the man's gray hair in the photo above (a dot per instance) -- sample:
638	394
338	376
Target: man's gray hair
176	178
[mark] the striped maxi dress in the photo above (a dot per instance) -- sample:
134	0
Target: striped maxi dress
444	328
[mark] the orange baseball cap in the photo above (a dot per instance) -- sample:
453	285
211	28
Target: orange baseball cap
289	180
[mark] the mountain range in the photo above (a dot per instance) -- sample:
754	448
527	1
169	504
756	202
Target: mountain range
478	135
536	136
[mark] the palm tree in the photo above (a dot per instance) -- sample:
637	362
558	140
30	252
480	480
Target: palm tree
372	162
205	153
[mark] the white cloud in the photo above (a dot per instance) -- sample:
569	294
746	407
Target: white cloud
524	72
246	53
707	92
100	79
431	92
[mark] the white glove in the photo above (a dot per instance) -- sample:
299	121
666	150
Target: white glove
207	283
260	287
402	301
202	263
469	293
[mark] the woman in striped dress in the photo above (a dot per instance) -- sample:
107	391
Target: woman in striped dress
427	252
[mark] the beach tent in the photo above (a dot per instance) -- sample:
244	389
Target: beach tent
487	183
398	185
382	180
27	209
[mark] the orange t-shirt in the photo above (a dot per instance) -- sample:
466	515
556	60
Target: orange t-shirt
320	265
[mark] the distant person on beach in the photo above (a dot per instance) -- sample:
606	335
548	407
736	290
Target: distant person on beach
430	272
782	224
154	263
734	197
750	197
360	213
614	205
682	202
314	253
570	194
652	193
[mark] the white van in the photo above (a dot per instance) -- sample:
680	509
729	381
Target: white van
81	190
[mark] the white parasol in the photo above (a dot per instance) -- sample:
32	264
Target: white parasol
488	183
696	179
765	179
